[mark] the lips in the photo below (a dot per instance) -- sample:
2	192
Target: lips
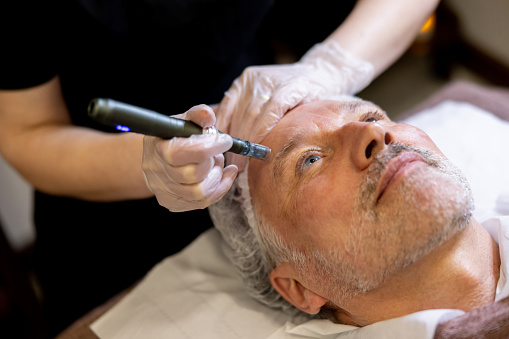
396	169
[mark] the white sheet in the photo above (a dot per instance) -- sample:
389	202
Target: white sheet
195	294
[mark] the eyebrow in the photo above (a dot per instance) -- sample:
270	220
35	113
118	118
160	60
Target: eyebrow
364	106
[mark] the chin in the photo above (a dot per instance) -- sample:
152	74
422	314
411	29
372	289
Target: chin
420	215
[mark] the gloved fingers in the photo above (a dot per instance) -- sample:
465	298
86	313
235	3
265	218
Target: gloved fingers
187	173
190	173
214	107
238	160
226	107
193	150
200	195
229	175
270	112
236	100
252	109
284	99
253	126
266	120
201	115
213	189
246	102
199	190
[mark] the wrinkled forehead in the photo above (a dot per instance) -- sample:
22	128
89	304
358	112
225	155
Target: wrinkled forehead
327	109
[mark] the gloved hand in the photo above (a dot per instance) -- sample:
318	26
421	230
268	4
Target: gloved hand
187	173
260	97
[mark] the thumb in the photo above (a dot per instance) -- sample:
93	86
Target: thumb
229	175
202	115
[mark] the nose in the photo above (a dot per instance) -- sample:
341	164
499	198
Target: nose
366	139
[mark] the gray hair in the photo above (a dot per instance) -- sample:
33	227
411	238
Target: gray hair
254	250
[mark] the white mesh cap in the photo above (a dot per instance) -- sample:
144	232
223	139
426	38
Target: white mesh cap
233	216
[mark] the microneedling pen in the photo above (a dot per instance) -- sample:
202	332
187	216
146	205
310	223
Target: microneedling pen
129	118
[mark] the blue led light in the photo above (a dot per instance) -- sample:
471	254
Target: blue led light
123	128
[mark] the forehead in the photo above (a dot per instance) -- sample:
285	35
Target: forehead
320	114
324	109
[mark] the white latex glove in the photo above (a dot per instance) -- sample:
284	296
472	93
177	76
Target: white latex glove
260	97
188	173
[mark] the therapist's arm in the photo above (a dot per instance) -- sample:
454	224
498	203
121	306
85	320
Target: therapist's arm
380	31
39	141
491	321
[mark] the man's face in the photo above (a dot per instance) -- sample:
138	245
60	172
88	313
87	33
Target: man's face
364	195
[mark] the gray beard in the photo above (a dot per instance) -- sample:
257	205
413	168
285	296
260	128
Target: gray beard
425	210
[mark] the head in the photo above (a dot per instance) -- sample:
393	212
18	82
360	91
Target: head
348	200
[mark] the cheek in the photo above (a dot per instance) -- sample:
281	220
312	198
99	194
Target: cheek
411	135
323	209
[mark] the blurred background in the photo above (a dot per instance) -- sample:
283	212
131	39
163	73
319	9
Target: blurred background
464	40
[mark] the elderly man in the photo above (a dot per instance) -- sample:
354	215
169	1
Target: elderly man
357	218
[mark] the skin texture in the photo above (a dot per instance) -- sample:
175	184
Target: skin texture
384	218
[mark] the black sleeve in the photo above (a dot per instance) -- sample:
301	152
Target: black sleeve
28	46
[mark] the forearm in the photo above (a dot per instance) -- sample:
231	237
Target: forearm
39	141
380	31
78	162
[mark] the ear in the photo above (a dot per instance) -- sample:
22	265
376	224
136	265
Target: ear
285	280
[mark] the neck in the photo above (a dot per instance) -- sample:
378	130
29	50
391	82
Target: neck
460	274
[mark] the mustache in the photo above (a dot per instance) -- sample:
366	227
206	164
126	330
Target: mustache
376	168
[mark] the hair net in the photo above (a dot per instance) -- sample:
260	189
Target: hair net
234	217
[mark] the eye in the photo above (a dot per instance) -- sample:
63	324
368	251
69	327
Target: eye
311	160
306	161
372	117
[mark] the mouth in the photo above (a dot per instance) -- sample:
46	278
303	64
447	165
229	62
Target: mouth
396	170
